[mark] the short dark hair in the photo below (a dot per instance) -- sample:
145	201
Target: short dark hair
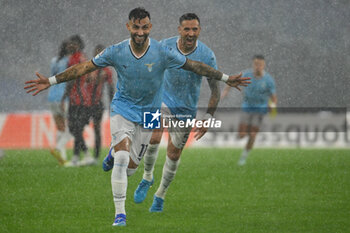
259	57
99	47
63	51
77	39
189	16
139	13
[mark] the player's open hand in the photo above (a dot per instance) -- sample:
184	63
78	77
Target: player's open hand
199	132
237	80
37	85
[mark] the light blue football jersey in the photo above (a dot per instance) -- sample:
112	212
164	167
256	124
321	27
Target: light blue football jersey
56	91
257	94
139	78
182	87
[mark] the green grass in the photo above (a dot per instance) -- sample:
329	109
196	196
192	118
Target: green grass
277	191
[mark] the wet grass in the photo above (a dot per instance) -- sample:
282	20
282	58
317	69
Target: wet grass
277	191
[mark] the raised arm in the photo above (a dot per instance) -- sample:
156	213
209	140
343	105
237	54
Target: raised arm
206	70
73	72
202	69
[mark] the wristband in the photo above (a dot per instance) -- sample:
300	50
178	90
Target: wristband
207	116
224	77
272	105
52	80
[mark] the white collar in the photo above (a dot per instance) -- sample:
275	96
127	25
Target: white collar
138	57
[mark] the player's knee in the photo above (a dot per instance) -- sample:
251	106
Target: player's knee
156	136
155	140
174	154
123	145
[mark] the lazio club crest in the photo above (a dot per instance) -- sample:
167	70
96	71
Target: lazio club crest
149	66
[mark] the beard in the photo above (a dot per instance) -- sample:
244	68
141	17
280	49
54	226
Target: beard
189	42
138	41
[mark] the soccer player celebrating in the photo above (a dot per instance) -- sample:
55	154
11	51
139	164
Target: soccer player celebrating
180	98
140	63
55	95
257	98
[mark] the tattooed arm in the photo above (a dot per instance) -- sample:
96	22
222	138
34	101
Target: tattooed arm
214	97
206	70
202	69
73	72
212	105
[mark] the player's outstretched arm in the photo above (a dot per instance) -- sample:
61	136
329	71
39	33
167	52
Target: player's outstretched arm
73	72
208	71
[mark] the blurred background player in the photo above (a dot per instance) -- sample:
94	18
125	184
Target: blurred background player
78	111
180	97
258	97
95	86
59	64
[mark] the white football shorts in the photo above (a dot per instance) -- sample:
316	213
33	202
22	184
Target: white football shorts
178	135
139	137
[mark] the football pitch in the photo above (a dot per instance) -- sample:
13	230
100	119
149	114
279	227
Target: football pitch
278	190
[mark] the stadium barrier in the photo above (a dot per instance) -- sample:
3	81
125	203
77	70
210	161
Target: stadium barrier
37	130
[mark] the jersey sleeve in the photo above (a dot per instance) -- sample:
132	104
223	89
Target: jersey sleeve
104	58
212	61
109	75
173	58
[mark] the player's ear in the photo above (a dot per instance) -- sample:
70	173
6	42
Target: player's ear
128	26
179	29
150	26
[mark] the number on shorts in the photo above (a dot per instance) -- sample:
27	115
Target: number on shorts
143	151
